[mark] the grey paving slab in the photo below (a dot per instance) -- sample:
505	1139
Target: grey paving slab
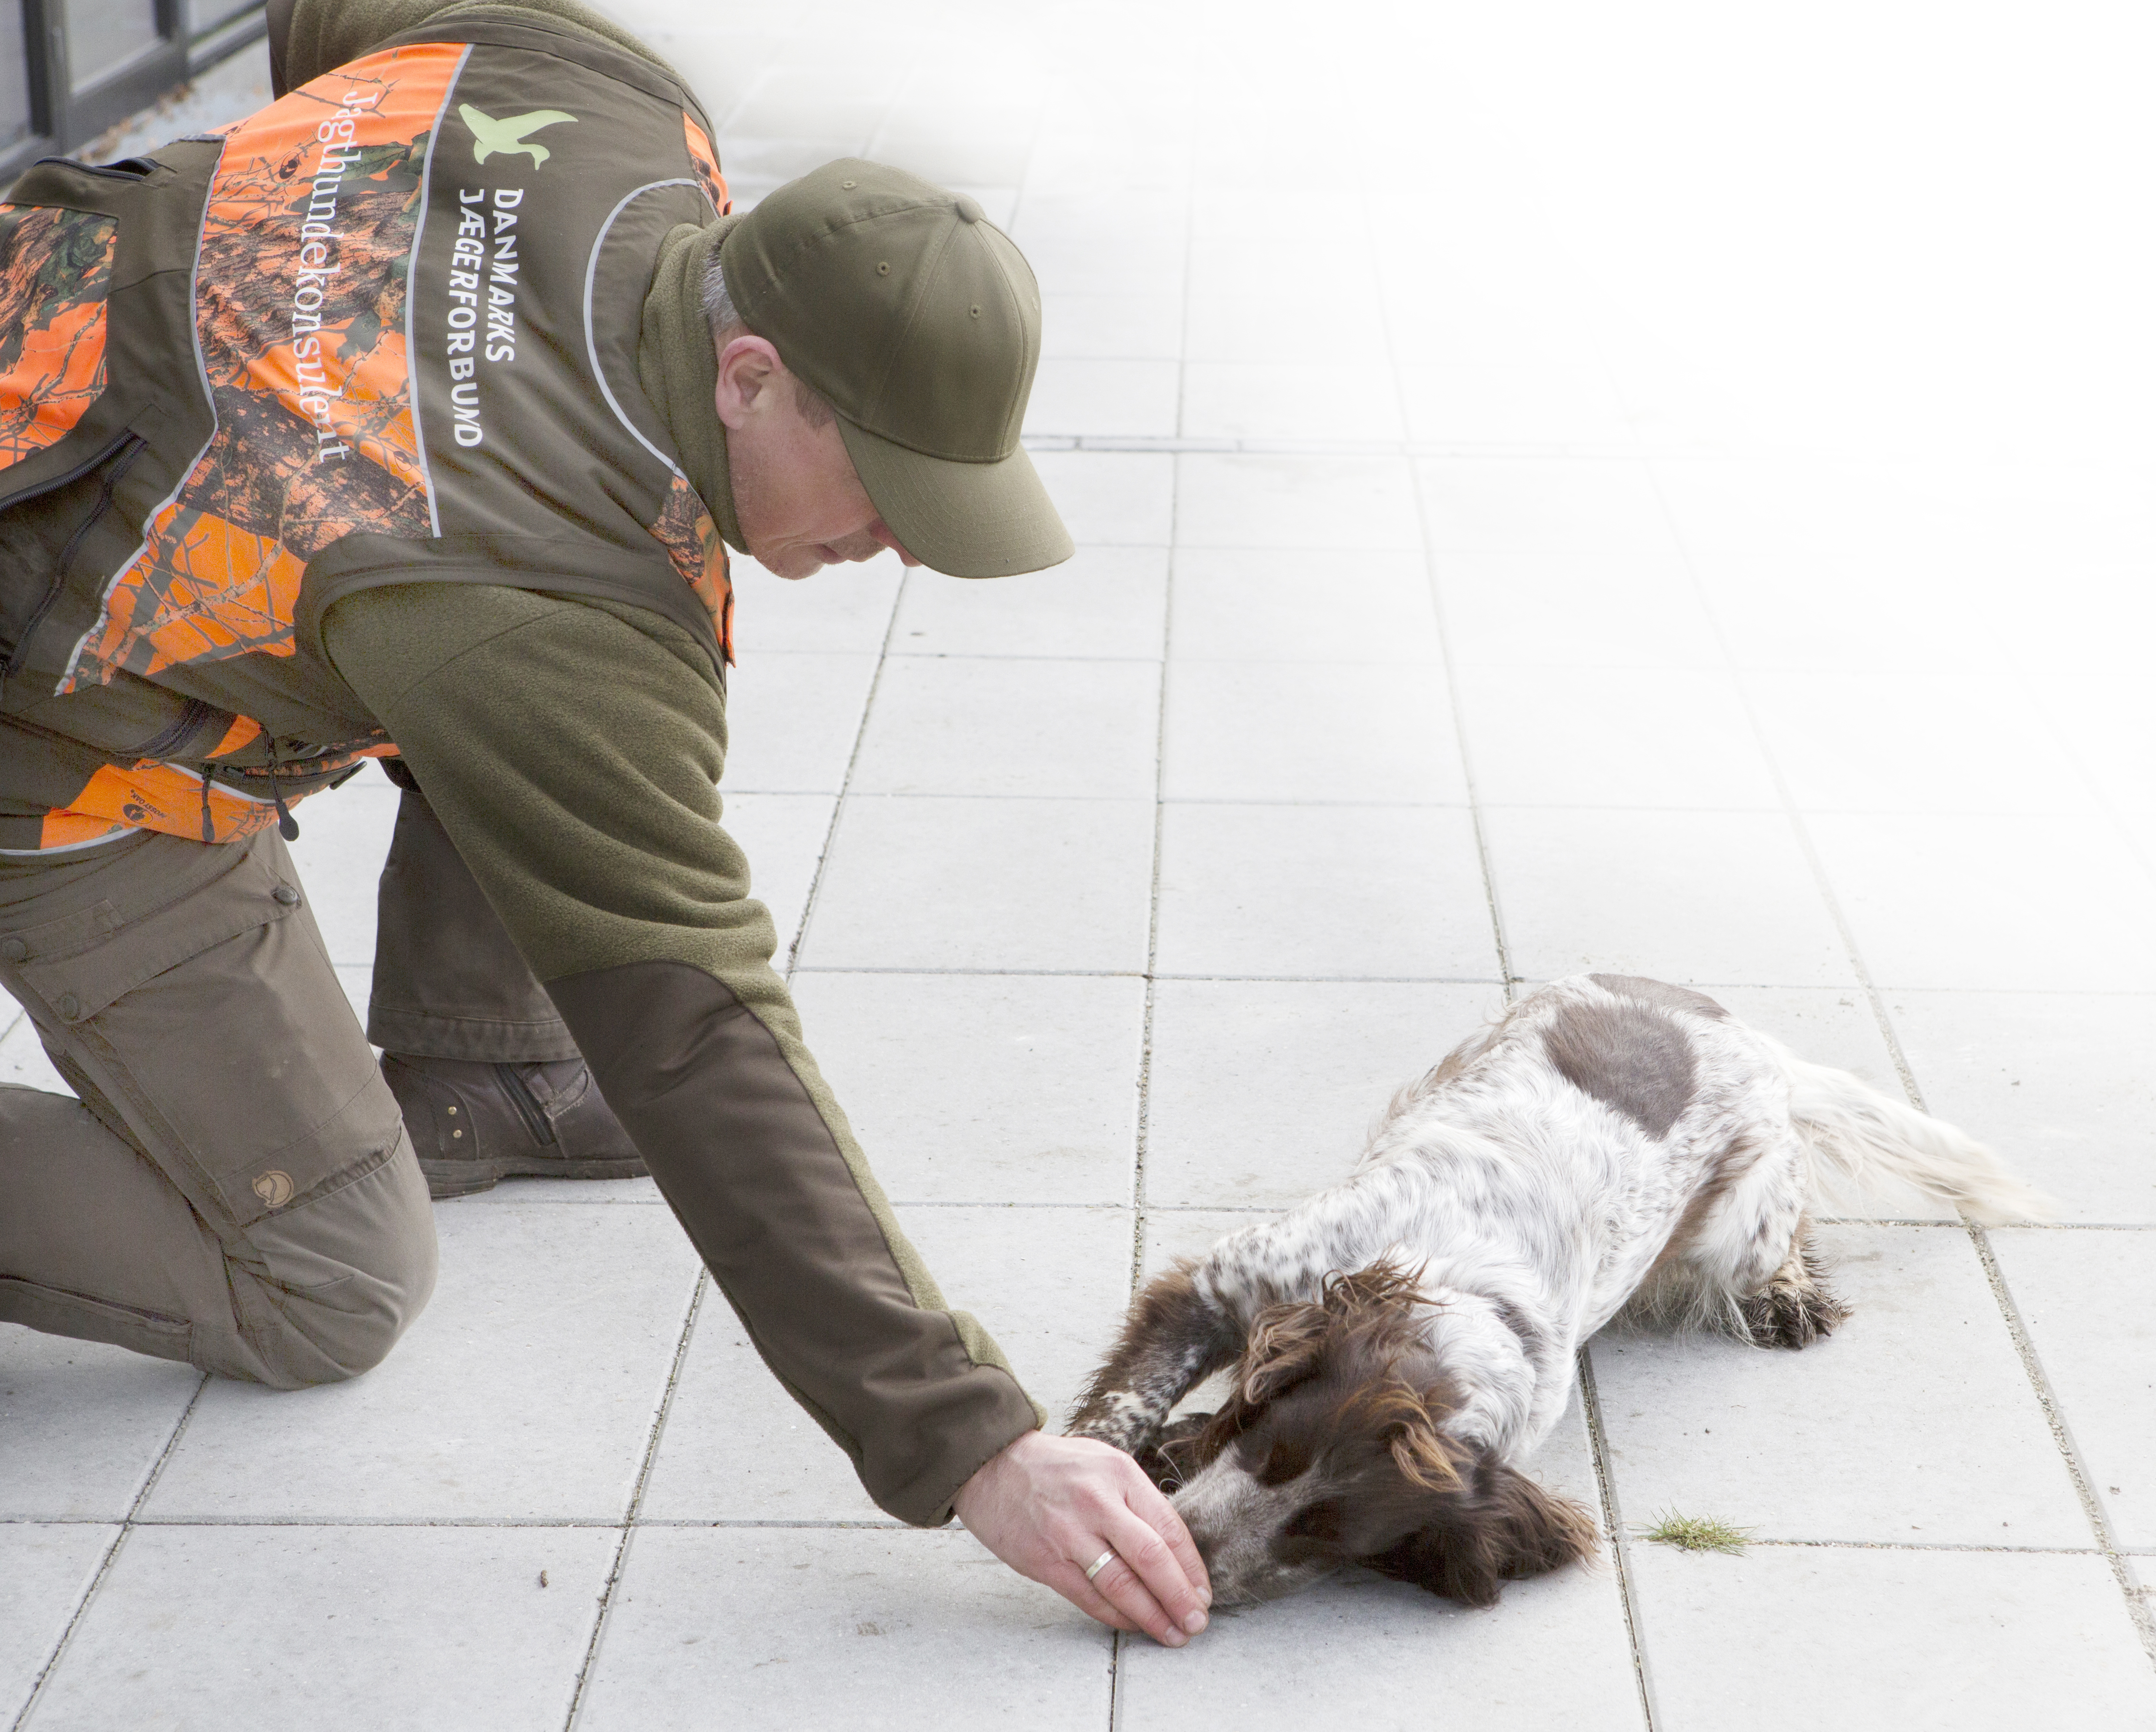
1098	395
1115	499
1017	1088
792	719
1262	1091
1483	398
1597	507
23	1060
1327	732
1781	609
1356	891
358	980
979	725
873	1628
1362	503
525	1390
344	837
1143	327
1256	604
1909	741
1575	607
784	836
1049	1284
919	883
1612	736
1245	327
842	610
1360	1651
345	1629
2108	725
45	1569
1993	902
81	1424
1786	1639
2098	1351
2058	1082
1289	401
1955	1449
1701	898
1108	602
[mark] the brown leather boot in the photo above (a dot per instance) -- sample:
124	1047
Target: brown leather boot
475	1124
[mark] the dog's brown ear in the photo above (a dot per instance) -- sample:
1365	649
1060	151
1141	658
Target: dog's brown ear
1501	1527
1285	1345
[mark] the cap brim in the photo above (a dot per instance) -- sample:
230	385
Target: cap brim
966	519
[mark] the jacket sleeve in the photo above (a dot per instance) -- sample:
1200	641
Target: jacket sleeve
572	753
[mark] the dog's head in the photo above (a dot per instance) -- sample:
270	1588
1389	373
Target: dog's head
1332	1451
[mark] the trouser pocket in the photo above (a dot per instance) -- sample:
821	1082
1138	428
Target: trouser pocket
213	1024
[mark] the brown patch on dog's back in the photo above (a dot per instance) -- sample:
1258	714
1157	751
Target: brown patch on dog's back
1661	994
1628	1056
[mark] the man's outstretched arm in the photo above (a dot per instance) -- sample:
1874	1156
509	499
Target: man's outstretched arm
571	754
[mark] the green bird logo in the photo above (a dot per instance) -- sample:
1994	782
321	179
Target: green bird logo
506	136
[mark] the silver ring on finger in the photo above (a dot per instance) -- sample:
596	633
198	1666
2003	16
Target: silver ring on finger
1100	1563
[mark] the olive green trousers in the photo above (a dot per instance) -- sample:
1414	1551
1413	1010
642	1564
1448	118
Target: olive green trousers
234	1187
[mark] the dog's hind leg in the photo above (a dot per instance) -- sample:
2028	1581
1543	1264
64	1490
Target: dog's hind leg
1739	1261
1177	1332
1794	1308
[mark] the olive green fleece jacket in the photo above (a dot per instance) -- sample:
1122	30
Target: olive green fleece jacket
573	750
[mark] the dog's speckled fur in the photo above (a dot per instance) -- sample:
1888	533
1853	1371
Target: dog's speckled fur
1407	1337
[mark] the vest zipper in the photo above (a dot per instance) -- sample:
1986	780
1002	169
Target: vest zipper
288	827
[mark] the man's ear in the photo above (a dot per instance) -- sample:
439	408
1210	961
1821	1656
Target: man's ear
1502	1528
749	369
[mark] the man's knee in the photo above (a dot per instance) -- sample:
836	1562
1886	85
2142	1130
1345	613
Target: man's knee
337	1282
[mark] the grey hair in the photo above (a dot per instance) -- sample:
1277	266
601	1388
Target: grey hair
726	323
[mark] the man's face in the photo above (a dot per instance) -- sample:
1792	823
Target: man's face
800	505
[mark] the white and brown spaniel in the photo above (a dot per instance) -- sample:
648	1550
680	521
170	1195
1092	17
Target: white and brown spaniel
1404	1340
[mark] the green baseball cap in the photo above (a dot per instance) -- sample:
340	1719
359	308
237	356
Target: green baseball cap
920	320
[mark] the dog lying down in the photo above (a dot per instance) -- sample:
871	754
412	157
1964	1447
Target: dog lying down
1404	1340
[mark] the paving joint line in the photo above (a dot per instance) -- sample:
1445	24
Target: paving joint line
1613	1522
127	1525
2138	1606
1142	1129
628	1524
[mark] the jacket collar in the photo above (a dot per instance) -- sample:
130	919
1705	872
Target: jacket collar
679	368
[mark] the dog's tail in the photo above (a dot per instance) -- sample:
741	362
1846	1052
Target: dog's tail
1869	1143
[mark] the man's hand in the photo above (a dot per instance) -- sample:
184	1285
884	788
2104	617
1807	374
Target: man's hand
1050	1506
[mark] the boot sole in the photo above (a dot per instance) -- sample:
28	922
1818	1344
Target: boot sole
447	1179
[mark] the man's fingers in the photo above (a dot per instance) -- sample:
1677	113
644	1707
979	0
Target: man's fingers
1157	1572
1069	1580
1159	1514
1118	1585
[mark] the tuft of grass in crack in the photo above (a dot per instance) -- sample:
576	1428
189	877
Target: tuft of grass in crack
1697	1533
